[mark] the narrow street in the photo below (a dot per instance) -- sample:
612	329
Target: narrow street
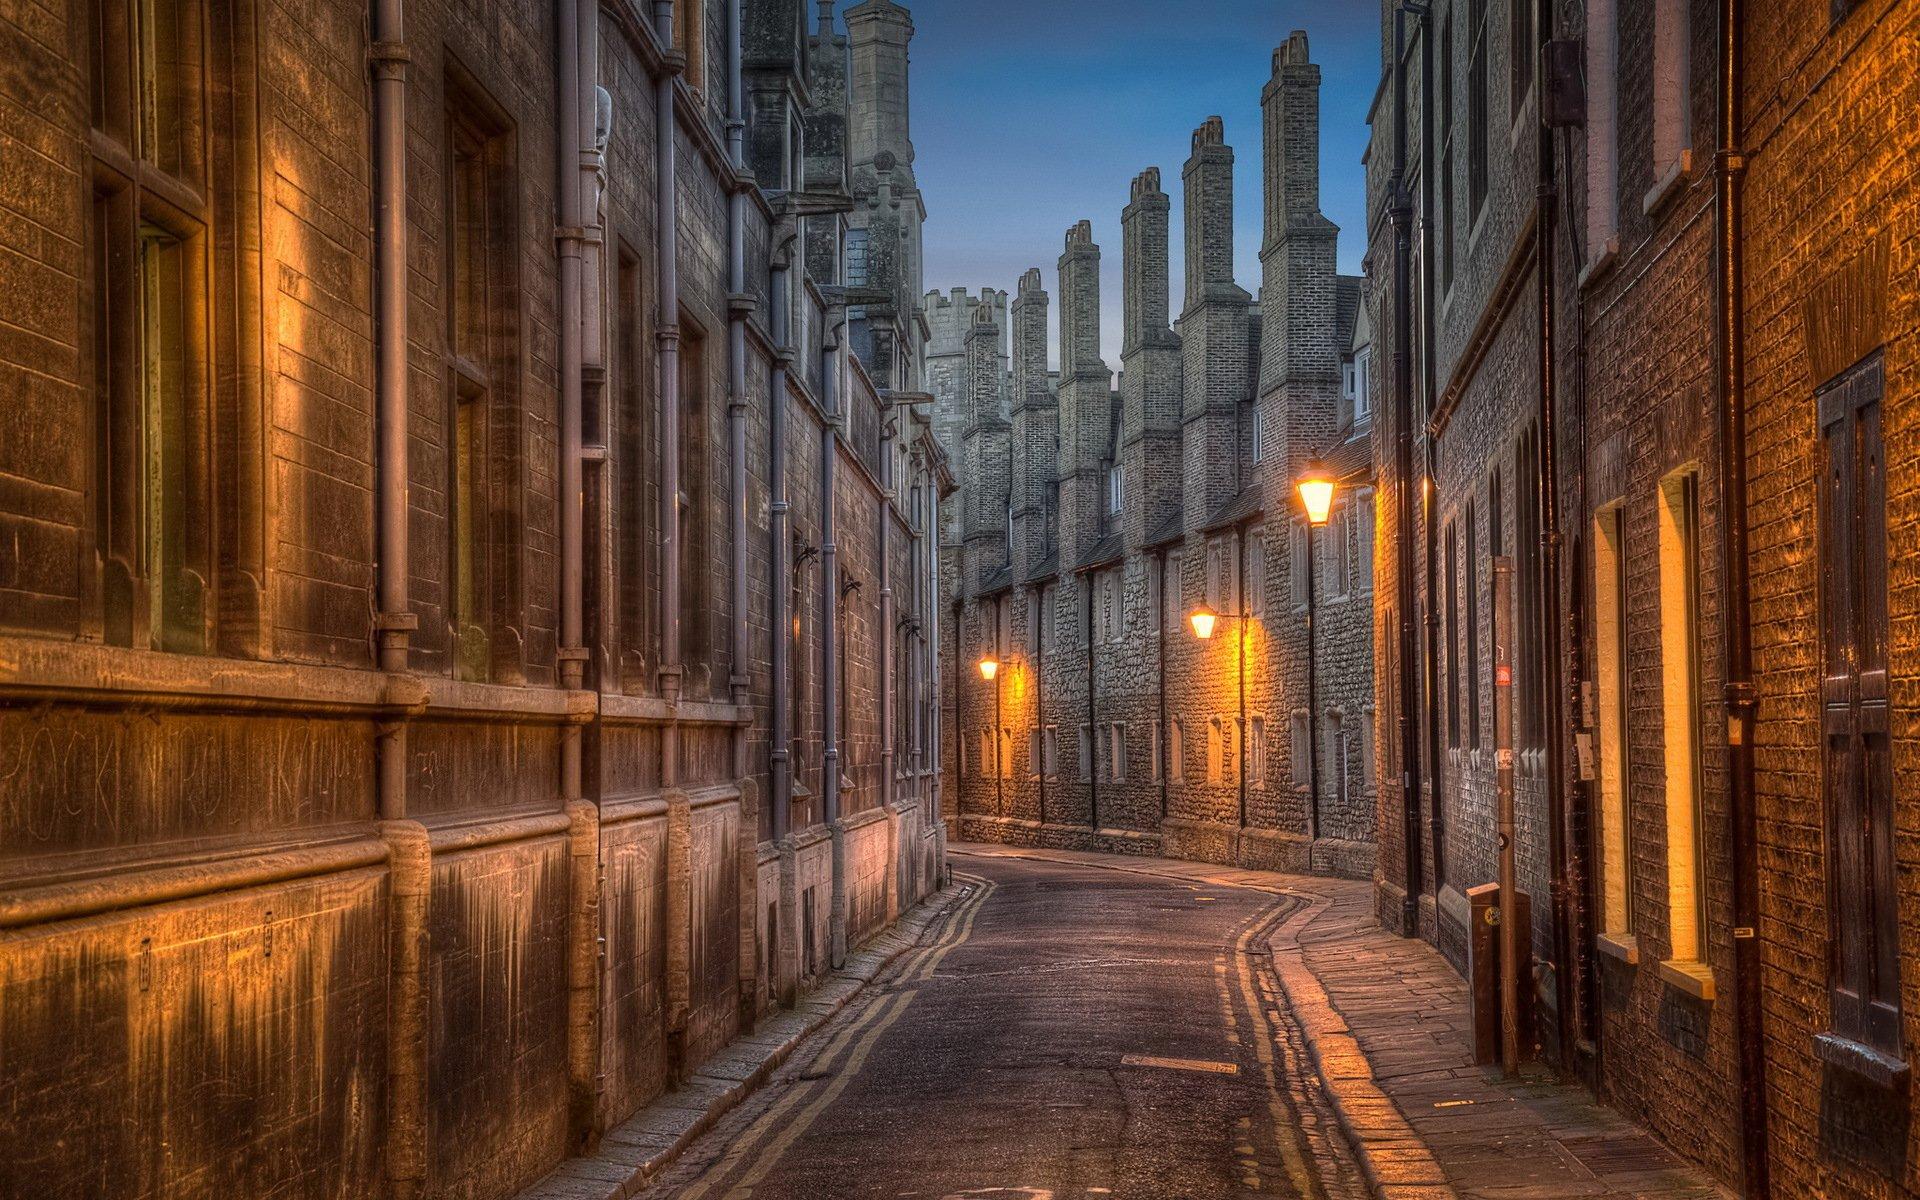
1064	1031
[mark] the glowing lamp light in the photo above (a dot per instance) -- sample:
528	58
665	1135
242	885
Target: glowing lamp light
989	668
1316	492
1202	619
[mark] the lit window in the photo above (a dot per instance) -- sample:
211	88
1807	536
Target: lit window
1680	701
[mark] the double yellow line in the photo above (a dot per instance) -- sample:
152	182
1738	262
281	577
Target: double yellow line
839	1061
1239	983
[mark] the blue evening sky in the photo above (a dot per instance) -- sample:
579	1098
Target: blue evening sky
1029	115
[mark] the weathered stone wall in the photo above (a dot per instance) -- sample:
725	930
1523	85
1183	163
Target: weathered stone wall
222	973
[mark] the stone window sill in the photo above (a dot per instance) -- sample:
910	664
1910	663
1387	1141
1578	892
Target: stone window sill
1862	1061
1689	978
1671	184
1603	260
1622	946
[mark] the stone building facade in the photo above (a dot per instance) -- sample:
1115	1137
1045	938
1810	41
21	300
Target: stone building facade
468	572
1711	299
1095	518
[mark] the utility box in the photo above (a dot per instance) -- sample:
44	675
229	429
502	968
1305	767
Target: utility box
1483	971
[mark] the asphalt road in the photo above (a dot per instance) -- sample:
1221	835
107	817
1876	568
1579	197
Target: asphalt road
1064	1031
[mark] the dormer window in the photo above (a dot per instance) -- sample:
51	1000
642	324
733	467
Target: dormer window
1116	489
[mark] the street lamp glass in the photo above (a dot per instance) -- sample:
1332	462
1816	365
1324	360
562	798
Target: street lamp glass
1316	488
989	668
1202	620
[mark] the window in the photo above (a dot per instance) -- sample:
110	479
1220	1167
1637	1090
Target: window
1610	698
1156	755
1257	753
1221	593
1300	752
1035	598
856	257
482	365
1050	752
1363	513
1256	434
1472	665
1116	489
1005	761
1680	702
1173	591
1338	747
986	753
1155	602
1176	751
638	512
1047	602
1362	396
1002	625
1297	570
152	277
1671	91
1086	751
1530	591
1216	750
1367	717
1453	634
1112	615
1521	46
1476	108
1340	527
697	551
1256	575
1117	752
1864	893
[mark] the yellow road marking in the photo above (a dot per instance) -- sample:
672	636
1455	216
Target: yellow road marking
806	1117
1180	1064
957	929
1286	1133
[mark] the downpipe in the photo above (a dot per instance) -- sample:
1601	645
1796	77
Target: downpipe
409	855
835	389
1560	868
1731	385
1400	218
667	335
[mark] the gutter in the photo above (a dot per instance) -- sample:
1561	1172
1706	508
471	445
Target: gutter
667	334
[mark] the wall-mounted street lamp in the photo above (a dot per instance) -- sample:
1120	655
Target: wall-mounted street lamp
1203	620
989	667
1316	487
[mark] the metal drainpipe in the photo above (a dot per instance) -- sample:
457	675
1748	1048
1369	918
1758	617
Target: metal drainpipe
1408	719
1040	702
1430	536
395	621
572	654
409	855
887	494
1560	866
1729	228
1246	619
1093	724
737	359
1160	682
834	390
1313	701
780	754
667	334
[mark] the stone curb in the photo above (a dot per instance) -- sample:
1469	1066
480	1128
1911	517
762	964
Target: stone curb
1394	1160
632	1153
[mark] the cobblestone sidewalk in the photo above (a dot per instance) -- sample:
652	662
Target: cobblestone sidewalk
1391	1037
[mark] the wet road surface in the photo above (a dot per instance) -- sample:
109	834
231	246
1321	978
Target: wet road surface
1063	1031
